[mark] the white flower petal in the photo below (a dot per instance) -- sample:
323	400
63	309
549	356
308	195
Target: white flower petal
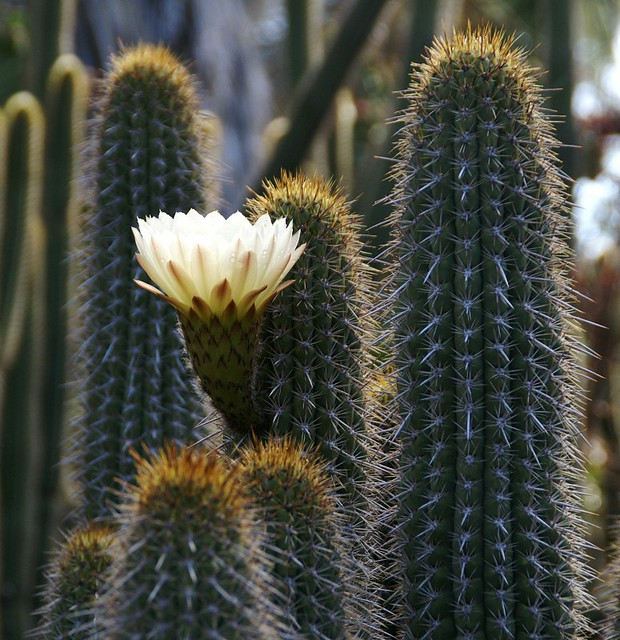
215	264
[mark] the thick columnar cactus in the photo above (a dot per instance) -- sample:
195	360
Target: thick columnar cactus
147	158
311	367
488	525
190	562
74	581
292	491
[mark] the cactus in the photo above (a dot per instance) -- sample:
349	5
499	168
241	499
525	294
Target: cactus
136	389
74	581
305	38
316	97
488	522
52	27
14	43
293	493
310	372
467	475
190	563
65	111
20	319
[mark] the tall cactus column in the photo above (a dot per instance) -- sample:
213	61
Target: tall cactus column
312	365
65	108
147	151
21	239
487	522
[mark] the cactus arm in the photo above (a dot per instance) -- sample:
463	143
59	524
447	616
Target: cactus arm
292	491
75	579
310	371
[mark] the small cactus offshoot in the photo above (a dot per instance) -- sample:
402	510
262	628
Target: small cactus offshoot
293	492
74	583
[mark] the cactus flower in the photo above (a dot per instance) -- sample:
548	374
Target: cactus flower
220	274
224	267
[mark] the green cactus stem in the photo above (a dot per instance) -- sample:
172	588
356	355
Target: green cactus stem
311	367
65	109
52	32
21	248
147	151
292	490
488	525
222	353
73	584
191	562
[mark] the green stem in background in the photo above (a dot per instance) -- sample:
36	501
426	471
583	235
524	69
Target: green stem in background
372	184
65	109
560	78
300	18
488	515
21	246
317	92
52	24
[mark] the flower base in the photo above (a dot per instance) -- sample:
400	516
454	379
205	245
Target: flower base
222	355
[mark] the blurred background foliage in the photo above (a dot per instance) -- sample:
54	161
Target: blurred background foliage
314	83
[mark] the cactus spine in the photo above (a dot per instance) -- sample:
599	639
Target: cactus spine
310	371
293	493
20	280
488	522
190	563
148	158
74	582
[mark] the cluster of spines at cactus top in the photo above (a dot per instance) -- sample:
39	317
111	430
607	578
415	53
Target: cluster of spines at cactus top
74	582
191	561
488	521
311	366
147	149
